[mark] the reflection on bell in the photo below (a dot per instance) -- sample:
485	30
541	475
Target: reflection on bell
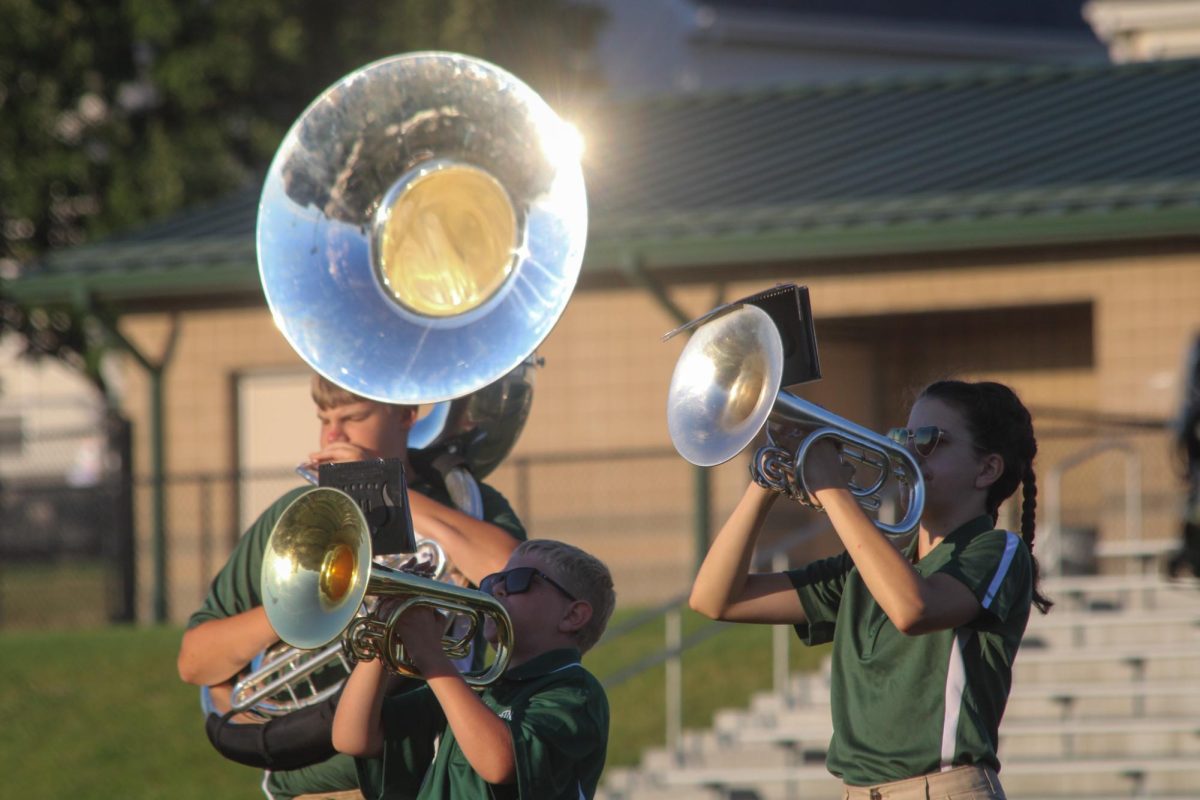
446	239
724	385
421	228
317	570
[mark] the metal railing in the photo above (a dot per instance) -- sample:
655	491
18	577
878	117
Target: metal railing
675	644
1053	494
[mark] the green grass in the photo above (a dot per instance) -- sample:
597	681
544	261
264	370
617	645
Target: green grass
70	594
101	713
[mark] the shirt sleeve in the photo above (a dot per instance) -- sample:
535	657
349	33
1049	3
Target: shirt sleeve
236	588
820	585
557	737
996	567
496	510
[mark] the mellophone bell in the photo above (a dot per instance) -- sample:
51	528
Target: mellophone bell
420	232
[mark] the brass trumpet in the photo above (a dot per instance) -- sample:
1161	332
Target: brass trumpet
317	570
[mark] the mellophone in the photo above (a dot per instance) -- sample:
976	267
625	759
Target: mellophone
729	386
420	232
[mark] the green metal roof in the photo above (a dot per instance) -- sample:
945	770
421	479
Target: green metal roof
1015	157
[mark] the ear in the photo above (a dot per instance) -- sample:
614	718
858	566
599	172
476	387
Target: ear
578	614
405	416
990	470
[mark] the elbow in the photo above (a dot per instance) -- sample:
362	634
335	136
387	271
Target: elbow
354	743
347	745
185	664
910	621
501	771
705	607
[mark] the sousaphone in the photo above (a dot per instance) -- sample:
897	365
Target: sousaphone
420	232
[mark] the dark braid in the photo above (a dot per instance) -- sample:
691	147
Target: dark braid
1000	423
1028	504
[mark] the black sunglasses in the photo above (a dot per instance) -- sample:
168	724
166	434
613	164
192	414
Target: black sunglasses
925	439
517	580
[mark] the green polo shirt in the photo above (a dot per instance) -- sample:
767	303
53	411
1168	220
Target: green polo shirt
557	712
909	705
236	589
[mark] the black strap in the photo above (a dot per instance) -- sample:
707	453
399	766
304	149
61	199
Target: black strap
299	739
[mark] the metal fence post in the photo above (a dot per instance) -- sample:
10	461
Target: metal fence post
780	638
674	689
120	443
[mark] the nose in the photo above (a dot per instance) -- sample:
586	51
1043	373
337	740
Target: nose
334	432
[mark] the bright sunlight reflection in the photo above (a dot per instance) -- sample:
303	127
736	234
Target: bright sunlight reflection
564	144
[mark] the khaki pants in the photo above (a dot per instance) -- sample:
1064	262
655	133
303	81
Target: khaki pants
960	783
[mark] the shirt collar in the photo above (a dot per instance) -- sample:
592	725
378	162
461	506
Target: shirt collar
544	664
981	524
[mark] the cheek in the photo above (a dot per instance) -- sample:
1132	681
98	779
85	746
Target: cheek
365	433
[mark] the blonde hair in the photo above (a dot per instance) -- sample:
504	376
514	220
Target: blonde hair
327	394
584	576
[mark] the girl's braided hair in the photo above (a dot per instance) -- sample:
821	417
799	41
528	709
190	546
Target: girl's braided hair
1000	423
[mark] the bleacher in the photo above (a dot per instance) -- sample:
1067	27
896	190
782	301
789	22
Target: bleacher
1105	704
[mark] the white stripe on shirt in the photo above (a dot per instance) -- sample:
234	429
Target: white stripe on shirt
956	682
1010	549
956	673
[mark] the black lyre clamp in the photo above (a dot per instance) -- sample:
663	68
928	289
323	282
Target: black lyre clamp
379	488
789	308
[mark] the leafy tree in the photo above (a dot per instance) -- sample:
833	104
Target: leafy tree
113	112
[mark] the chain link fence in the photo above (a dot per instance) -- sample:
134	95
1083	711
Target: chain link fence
69	556
66	528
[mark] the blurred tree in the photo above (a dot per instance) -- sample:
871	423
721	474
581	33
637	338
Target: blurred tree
114	112
68	334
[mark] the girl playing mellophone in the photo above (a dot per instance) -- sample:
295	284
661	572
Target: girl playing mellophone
924	635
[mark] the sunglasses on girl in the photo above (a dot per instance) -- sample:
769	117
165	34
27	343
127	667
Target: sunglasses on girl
518	579
925	439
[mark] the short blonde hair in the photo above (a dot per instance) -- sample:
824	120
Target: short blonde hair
327	394
584	576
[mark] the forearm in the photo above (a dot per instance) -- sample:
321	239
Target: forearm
890	577
214	651
485	739
358	723
476	547
722	577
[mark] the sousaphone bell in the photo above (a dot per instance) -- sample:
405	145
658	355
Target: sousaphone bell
422	227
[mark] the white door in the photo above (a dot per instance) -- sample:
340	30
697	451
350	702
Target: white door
277	429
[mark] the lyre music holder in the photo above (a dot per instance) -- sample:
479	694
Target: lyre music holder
379	488
788	307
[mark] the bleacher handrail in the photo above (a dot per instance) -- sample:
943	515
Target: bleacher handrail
1053	495
675	644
